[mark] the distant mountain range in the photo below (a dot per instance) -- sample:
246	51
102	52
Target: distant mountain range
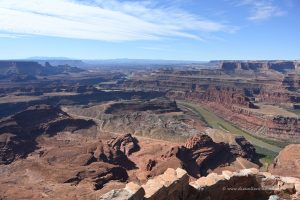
126	61
48	58
119	61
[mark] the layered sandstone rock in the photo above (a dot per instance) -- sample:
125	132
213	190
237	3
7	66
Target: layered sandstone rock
158	118
200	155
98	174
197	154
126	143
227	96
278	127
113	155
29	179
156	105
172	184
74	165
287	163
239	146
235	91
280	66
18	133
245	184
13	68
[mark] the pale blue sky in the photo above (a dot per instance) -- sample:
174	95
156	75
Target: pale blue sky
150	29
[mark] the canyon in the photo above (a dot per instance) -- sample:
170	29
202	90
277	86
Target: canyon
171	131
69	152
261	97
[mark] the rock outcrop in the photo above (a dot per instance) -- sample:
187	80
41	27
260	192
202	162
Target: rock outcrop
287	163
158	118
132	191
200	155
156	106
75	165
13	147
280	66
245	184
18	133
11	69
274	126
126	143
113	154
239	146
227	96
98	174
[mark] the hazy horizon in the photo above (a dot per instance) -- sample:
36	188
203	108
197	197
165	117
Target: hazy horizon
45	58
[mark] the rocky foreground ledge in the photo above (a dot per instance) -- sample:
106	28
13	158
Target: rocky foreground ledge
244	184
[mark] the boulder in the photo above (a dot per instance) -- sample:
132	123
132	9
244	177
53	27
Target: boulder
287	163
132	191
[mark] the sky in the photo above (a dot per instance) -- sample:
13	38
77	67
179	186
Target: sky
199	30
